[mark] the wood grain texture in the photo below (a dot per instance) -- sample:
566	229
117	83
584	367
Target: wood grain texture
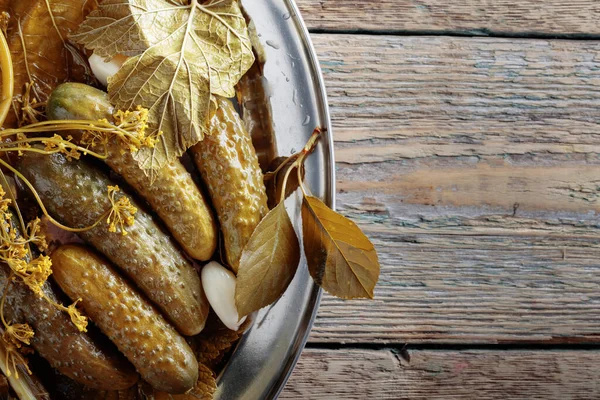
363	374
474	165
478	17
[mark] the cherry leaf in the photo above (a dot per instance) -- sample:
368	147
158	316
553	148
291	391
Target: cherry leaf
269	262
340	258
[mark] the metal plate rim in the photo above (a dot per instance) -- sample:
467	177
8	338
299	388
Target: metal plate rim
239	383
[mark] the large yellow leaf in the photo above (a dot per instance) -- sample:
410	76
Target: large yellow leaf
180	55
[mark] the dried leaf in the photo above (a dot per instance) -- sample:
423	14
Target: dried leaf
268	263
180	54
212	352
4	386
44	63
341	259
213	344
206	385
254	100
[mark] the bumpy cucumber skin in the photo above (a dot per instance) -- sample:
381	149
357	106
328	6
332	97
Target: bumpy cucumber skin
229	167
161	356
75	193
172	192
70	351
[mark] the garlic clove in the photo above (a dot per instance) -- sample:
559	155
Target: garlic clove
103	70
219	286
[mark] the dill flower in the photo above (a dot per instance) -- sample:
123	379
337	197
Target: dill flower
121	213
129	131
34	235
4	202
35	273
58	144
19	333
14	358
135	123
79	320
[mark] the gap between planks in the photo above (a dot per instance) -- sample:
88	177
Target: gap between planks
445	374
526	18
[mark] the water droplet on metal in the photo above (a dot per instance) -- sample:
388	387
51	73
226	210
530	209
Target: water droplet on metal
286	16
306	120
273	44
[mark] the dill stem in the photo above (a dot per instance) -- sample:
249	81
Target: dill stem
67	125
13	199
53	303
66	143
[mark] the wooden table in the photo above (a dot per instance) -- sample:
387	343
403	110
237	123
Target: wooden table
468	148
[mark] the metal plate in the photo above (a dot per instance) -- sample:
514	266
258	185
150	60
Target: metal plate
266	355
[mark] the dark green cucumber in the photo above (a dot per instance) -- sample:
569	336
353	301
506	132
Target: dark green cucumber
78	101
75	193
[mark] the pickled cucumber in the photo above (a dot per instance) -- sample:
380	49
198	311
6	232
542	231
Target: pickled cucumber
70	351
161	356
172	193
75	193
229	168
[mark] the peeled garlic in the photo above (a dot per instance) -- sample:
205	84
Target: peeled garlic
219	287
104	70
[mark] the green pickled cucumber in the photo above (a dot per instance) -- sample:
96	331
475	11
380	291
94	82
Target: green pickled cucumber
161	356
78	101
172	193
75	193
56	339
229	168
73	353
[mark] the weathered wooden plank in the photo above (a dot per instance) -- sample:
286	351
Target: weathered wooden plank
415	97
463	16
472	289
363	374
474	164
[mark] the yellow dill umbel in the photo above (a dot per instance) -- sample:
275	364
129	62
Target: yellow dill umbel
121	213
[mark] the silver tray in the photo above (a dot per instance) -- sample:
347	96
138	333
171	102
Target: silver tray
268	352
